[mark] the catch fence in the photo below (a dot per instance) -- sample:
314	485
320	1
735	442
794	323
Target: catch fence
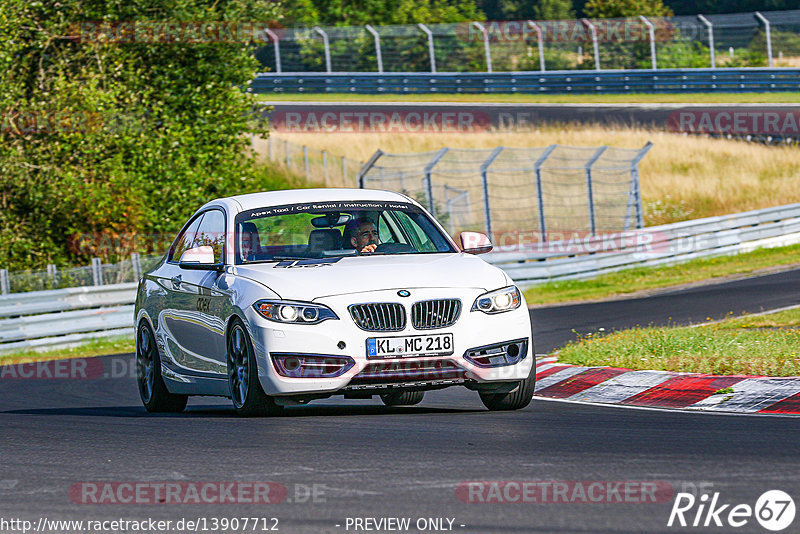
95	274
316	165
755	39
541	190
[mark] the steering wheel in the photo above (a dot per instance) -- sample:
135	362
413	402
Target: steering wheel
394	248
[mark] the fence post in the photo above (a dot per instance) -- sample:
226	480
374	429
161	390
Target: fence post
377	38
327	47
275	40
652	34
366	167
97	272
593	31
589	189
487	212
305	160
52	274
764	20
427	179
710	28
634	193
136	264
286	144
540	43
537	167
486	50
325	167
431	52
4	282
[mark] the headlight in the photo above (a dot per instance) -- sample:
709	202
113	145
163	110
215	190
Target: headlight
499	301
286	311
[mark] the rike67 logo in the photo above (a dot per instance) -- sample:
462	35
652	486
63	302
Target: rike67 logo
774	510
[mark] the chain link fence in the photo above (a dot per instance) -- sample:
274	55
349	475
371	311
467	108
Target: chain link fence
316	165
542	190
754	39
96	274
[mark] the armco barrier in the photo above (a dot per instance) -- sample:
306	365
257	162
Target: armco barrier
552	82
47	318
670	243
57	317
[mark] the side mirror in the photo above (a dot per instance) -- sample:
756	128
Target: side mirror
199	258
475	243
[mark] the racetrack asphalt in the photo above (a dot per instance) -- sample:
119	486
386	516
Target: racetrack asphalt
366	460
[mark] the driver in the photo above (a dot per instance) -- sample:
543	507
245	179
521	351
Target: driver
363	235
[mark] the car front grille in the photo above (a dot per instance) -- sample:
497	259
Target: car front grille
379	316
440	313
408	371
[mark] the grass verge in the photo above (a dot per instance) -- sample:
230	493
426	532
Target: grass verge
644	98
96	347
640	279
757	345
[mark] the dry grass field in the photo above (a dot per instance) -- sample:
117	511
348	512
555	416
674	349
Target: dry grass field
683	177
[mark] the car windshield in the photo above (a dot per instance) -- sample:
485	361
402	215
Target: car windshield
336	229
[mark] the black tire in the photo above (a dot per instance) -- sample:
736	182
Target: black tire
402	398
247	395
152	390
516	399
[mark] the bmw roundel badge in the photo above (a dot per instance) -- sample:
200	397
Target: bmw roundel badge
403	293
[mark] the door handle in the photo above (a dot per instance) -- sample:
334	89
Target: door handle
176	280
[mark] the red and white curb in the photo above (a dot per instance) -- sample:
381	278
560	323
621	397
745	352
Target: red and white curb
664	389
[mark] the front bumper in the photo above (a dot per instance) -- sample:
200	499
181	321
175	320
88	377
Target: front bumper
342	338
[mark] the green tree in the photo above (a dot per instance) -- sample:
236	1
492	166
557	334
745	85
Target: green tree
607	9
553	10
119	137
378	12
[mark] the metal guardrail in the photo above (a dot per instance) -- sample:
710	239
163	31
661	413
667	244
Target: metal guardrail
651	246
555	82
42	319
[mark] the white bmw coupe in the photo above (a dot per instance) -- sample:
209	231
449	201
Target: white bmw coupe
276	299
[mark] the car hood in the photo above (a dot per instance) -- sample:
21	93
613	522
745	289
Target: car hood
311	279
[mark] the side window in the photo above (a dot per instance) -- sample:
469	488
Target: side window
184	240
419	238
385	233
211	232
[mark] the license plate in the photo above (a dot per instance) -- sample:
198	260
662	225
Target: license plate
406	346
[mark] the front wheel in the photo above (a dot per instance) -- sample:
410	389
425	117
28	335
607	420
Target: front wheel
402	398
154	394
247	395
515	399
